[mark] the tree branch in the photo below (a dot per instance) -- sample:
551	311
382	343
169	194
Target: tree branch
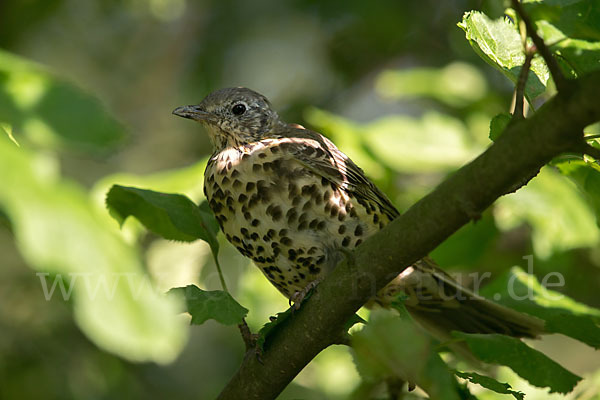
512	160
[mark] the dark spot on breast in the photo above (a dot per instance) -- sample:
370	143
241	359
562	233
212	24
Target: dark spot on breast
346	241
296	200
271	233
375	218
291	215
225	181
229	165
245	156
320	260
242	198
314	270
313	223
253	200
250	186
274	149
256	167
244	232
286	241
292	254
358	231
359	241
283	232
255	222
303	217
247	216
326	195
259	249
262	155
236	184
324	181
236	239
306	205
302	225
321	225
334	210
277	213
235	173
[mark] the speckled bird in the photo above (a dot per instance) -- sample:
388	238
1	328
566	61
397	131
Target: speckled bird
290	200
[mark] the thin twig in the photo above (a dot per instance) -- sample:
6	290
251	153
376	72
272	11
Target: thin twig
559	78
518	112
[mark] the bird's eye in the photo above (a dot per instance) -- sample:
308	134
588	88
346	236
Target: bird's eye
238	109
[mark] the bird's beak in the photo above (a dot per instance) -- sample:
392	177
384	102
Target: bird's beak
193	112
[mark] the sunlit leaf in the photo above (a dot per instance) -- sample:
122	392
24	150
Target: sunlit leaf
216	304
498	125
172	216
59	233
498	42
490	383
571	29
521	291
558	214
52	112
389	346
530	364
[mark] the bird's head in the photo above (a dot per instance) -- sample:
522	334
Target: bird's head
233	116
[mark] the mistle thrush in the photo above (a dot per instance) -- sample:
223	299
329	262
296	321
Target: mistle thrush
290	200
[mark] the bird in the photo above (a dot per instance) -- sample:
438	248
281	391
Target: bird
290	200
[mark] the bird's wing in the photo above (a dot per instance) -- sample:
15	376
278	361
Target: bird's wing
321	156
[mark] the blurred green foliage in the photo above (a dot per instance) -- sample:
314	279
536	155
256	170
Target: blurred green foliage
394	84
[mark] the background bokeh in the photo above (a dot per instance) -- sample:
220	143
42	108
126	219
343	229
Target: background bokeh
394	84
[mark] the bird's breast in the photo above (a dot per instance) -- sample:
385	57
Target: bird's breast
290	220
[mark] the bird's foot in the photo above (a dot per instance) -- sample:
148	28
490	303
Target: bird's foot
298	297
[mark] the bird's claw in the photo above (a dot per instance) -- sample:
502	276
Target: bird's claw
298	297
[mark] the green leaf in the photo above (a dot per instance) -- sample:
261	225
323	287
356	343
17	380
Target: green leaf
498	124
571	29
523	292
549	194
498	43
80	255
490	383
587	178
204	305
530	364
172	216
52	112
269	327
389	346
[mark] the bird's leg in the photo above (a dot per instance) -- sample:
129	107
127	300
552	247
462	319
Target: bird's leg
298	297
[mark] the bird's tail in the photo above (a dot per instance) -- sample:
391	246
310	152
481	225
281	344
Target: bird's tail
441	305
